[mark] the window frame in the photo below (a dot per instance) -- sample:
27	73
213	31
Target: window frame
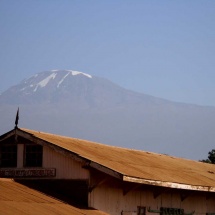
33	155
11	155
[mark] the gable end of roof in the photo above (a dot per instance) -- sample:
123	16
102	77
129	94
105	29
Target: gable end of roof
86	162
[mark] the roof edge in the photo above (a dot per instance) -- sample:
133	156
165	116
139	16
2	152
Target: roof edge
169	184
106	170
7	135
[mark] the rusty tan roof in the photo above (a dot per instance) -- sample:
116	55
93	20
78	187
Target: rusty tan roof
139	166
18	199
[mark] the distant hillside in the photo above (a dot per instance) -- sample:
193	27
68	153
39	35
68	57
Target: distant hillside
80	105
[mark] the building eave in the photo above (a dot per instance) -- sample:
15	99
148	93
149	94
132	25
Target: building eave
7	135
169	184
106	170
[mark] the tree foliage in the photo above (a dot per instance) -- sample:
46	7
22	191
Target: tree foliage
211	157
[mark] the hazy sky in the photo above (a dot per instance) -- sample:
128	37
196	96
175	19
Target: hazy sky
163	48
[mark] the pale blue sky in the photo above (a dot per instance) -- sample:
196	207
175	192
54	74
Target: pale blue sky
163	48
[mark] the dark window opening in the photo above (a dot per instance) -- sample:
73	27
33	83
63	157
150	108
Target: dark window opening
33	155
8	155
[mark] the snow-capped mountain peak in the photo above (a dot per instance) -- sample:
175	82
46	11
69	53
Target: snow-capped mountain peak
72	72
54	77
49	85
69	72
45	81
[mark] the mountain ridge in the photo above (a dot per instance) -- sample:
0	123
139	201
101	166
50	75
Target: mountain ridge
94	108
62	84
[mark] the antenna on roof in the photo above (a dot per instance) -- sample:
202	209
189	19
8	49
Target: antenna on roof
17	119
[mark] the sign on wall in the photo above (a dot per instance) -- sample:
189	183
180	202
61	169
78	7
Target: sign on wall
27	173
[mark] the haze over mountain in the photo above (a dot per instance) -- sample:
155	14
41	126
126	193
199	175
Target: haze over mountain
79	105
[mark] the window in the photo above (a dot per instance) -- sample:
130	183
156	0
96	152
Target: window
141	210
33	155
8	155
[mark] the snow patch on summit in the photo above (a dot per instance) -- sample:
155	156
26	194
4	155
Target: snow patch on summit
71	72
61	81
79	73
45	81
60	75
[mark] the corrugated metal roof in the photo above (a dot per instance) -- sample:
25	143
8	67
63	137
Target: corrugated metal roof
18	199
139	166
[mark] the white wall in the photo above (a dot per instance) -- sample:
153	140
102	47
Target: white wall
66	168
109	198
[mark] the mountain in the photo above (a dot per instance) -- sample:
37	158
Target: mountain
79	105
71	88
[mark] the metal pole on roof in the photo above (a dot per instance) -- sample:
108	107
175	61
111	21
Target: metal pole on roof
17	119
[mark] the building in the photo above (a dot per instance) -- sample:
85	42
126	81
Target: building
118	181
